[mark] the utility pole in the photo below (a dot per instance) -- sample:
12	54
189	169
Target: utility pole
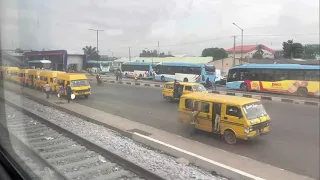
97	30
241	40
129	54
234	50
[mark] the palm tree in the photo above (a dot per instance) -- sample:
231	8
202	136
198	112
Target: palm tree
259	53
91	52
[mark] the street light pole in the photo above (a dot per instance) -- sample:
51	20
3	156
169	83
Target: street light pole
241	40
97	30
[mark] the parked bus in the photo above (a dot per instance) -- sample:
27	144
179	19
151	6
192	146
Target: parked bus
101	67
297	79
144	70
186	72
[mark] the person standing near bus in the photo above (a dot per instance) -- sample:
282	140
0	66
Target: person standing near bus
176	89
69	92
47	88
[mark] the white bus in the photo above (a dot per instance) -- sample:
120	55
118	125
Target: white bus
186	72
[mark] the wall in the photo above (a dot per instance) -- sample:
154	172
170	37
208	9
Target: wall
75	59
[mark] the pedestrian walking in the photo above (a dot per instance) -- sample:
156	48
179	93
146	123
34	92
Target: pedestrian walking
61	90
120	75
69	92
47	88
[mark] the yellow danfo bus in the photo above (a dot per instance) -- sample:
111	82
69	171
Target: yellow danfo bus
231	116
302	80
51	77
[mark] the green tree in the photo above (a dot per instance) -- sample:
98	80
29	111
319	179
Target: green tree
292	50
259	53
91	53
311	51
215	53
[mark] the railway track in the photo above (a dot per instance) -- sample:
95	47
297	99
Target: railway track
61	154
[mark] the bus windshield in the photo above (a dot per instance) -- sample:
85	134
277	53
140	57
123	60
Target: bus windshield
77	83
254	110
209	69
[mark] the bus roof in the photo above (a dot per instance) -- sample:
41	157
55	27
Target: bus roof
34	71
137	63
51	72
184	83
277	66
72	76
211	97
181	64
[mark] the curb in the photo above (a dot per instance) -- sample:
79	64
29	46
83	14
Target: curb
268	98
210	165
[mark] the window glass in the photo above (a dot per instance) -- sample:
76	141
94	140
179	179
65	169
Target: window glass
312	75
188	103
266	75
253	74
244	74
233	111
205	107
281	74
296	75
232	75
188	88
169	86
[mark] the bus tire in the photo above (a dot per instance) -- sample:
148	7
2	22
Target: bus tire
244	87
302	91
162	78
229	137
86	96
185	79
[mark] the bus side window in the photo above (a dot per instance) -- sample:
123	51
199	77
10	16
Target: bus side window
188	103
51	80
296	75
232	75
233	111
281	74
312	75
267	75
205	107
188	88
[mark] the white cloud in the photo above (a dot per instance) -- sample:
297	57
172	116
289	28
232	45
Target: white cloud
64	24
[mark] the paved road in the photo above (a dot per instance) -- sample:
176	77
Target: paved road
222	88
293	143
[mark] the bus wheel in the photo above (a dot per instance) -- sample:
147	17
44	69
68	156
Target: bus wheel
185	80
86	96
230	137
302	91
244	87
162	78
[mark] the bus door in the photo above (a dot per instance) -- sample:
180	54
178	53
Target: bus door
204	116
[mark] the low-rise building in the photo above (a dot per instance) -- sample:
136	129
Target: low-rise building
249	50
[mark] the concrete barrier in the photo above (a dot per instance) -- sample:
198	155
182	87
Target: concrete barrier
200	161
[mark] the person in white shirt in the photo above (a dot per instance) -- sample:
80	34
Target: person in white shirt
47	88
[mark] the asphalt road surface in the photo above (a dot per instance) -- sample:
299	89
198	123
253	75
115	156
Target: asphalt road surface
220	88
293	143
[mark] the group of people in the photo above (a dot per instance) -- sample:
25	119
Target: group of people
47	89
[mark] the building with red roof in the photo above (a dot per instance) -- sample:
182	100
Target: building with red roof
249	50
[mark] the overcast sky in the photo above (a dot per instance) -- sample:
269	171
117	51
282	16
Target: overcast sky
180	26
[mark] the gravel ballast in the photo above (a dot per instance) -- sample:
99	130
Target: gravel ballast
157	162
